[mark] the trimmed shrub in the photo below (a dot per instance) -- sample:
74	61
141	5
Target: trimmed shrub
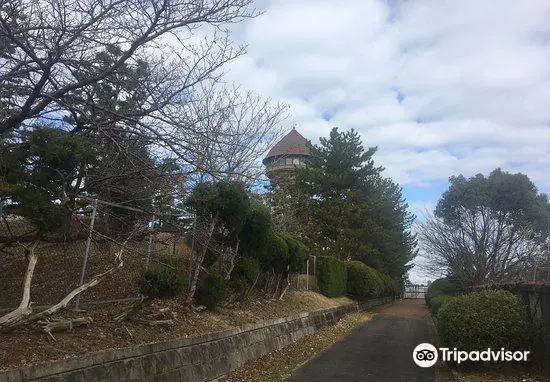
245	273
442	287
238	285
379	283
388	285
362	282
166	279
331	276
481	320
297	253
212	290
437	302
275	254
251	269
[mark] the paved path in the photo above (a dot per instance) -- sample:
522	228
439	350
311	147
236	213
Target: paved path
379	351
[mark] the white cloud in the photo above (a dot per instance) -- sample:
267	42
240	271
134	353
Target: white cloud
442	87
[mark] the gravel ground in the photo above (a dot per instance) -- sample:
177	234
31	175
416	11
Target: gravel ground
279	365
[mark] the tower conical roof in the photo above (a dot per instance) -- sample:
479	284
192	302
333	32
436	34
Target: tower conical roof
292	143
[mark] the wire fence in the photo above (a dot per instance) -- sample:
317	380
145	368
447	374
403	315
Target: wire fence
87	247
307	278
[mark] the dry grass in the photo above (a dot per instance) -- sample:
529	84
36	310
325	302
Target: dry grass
279	365
30	346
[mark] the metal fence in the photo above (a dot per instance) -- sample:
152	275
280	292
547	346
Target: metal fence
88	247
415	291
307	279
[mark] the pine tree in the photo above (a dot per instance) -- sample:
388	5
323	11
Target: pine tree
347	209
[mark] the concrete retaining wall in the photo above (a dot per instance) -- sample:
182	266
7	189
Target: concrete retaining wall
201	358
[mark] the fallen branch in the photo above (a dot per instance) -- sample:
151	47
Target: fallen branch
155	322
23	314
14	317
133	309
63	324
162	313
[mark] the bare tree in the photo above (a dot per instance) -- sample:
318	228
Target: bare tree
51	51
234	130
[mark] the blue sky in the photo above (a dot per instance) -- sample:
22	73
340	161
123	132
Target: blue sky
441	87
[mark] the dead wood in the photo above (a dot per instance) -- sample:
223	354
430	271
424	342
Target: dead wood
155	322
63	324
136	307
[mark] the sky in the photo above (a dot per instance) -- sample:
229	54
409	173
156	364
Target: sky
441	87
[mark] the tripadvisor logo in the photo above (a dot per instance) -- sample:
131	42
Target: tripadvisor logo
426	355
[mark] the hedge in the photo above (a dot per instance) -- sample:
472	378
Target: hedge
165	279
331	276
437	302
389	287
297	253
442	287
363	281
212	290
481	320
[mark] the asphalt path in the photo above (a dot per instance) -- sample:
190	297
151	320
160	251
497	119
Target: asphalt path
379	351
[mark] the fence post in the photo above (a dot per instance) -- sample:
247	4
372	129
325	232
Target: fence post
150	244
87	251
307	273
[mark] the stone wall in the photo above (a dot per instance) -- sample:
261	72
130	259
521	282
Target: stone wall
201	358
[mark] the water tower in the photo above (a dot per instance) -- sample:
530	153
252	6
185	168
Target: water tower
291	151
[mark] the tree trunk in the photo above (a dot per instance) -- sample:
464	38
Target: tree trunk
231	259
198	262
252	286
23	314
286	287
75	292
276	287
16	316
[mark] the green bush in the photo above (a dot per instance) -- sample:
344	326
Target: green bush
297	253
245	273
442	287
379	283
331	276
362	281
437	302
275	255
239	286
212	290
481	320
165	279
388	285
250	269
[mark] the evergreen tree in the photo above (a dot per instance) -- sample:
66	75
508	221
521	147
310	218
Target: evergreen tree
346	208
